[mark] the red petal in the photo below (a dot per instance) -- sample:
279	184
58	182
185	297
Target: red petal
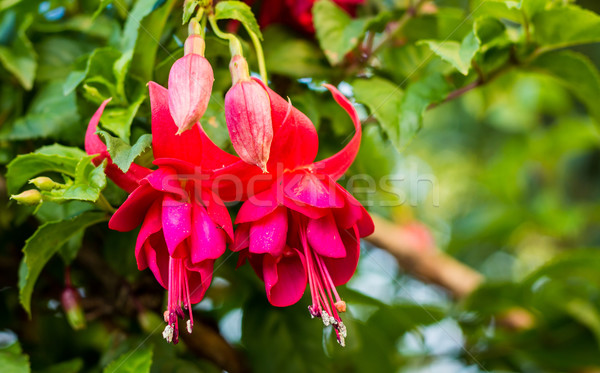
177	224
199	278
268	234
133	210
217	211
337	164
342	269
311	189
324	238
165	142
241	238
257	207
352	211
157	257
285	278
152	224
93	144
206	240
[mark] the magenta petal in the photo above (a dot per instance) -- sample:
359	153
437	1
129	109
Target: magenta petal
176	224
311	189
93	144
217	211
206	241
336	165
241	238
285	278
352	211
165	179
157	257
257	206
306	210
152	224
342	269
324	238
268	234
199	279
126	181
165	142
365	224
132	211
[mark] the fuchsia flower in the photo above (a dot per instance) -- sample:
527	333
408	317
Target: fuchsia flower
185	226
304	227
248	115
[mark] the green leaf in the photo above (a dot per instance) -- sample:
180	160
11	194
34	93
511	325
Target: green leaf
87	185
103	4
239	11
336	31
123	154
383	99
69	366
450	51
99	63
497	9
51	114
136	361
576	72
566	26
43	244
19	57
118	119
417	98
13	360
189	8
586	313
25	167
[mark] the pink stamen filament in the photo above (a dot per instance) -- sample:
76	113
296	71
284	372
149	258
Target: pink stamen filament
178	294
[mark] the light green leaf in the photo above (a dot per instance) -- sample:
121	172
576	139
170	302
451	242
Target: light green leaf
86	186
61	150
51	114
123	154
577	73
19	57
189	8
118	119
25	167
417	98
336	31
566	26
383	99
99	63
136	361
43	244
450	51
497	9
13	360
239	11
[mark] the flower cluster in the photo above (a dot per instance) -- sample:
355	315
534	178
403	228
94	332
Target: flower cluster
296	226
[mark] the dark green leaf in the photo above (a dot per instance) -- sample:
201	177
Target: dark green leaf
337	32
240	11
137	361
118	119
123	154
44	243
20	58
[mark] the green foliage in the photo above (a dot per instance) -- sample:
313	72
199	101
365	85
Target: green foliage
239	11
138	360
123	154
13	360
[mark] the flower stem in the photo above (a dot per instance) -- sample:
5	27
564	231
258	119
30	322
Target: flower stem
260	56
103	204
235	47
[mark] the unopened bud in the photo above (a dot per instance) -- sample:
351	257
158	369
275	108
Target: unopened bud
248	116
194	44
29	197
71	302
45	183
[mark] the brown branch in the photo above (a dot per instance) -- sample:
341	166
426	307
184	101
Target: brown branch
428	264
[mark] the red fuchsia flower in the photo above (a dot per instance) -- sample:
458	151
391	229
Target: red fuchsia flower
184	225
297	13
248	115
303	227
190	84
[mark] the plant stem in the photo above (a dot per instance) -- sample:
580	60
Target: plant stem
260	56
104	205
235	47
411	12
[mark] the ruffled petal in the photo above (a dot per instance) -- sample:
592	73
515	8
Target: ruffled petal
311	189
241	238
132	211
199	279
268	234
342	269
337	164
176	224
285	278
365	224
166	180
257	207
217	211
157	257
206	241
306	210
324	238
152	224
352	211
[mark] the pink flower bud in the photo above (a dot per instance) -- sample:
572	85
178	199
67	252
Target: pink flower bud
248	115
71	302
190	84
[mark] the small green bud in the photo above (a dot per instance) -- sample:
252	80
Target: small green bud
45	183
29	197
71	302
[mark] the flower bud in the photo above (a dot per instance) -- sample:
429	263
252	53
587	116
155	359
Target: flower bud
71	302
190	84
45	183
248	115
29	197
